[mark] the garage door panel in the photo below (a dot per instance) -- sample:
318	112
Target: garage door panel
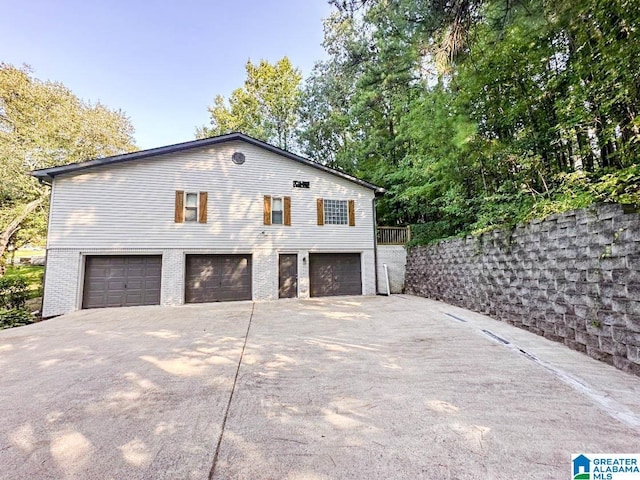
135	271
153	270
335	274
107	262
217	278
134	298
123	280
95	299
152	284
135	284
114	300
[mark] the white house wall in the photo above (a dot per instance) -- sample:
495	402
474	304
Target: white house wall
129	209
395	258
132	204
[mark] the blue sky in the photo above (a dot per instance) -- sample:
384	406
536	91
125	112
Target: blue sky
160	61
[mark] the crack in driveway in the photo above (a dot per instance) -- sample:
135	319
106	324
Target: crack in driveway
233	389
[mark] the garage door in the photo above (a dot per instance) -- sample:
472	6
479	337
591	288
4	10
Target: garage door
218	278
334	274
122	281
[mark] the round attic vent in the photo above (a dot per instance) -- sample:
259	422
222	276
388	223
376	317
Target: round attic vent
238	158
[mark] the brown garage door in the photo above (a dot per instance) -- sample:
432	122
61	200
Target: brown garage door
334	274
218	278
122	281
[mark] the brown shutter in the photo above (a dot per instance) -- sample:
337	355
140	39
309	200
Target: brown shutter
352	213
179	214
267	210
320	211
202	211
287	210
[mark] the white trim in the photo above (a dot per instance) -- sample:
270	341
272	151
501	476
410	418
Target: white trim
81	275
184	207
281	211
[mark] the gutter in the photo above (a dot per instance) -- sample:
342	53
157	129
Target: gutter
375	242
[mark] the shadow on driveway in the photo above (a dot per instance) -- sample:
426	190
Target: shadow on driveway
352	387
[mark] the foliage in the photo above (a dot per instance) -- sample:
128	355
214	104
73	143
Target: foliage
265	108
479	114
42	124
14	317
13	292
31	274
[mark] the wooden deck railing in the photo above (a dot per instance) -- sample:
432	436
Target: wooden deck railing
393	235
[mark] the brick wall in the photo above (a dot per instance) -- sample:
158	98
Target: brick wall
573	278
64	275
173	277
395	257
368	273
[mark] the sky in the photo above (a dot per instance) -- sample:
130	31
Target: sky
162	62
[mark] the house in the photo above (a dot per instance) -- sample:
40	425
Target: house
219	219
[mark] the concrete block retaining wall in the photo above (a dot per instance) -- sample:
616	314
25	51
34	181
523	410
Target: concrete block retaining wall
572	277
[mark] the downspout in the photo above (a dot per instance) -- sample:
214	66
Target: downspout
46	250
375	242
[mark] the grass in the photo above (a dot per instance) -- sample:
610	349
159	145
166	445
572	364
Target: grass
28	253
24	253
32	275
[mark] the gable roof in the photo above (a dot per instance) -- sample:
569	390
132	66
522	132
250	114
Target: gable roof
46	175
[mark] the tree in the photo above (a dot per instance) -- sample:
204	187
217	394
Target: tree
354	102
42	124
265	108
476	113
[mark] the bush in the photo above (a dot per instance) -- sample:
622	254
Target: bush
13	293
15	317
30	274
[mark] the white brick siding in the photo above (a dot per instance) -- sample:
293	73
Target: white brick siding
62	282
395	256
303	274
368	273
265	274
65	274
173	275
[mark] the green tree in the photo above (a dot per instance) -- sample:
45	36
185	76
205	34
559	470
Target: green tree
265	108
42	124
483	112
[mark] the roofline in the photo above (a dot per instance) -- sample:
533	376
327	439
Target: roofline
46	175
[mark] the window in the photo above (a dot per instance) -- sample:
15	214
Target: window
336	212
191	207
276	211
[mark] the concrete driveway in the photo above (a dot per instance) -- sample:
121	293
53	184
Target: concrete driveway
353	387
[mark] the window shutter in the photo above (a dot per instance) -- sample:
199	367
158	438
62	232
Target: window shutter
352	213
287	210
320	211
179	213
267	210
202	210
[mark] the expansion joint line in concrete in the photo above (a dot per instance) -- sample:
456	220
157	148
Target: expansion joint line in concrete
233	389
611	407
